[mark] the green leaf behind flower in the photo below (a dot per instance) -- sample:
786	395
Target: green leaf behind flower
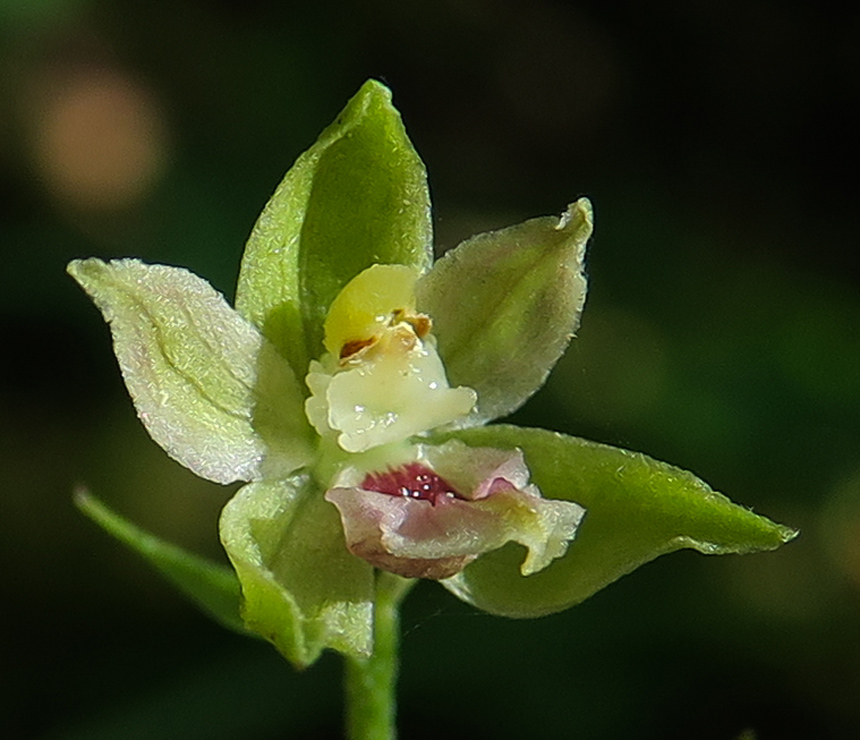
505	305
636	509
357	197
214	588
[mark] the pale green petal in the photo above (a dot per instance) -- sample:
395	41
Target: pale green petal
206	384
301	588
357	197
636	509
504	306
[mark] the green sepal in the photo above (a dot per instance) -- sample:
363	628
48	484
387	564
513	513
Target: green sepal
208	386
212	587
636	509
505	305
357	197
301	588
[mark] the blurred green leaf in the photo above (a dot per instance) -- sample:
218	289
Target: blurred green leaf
357	197
636	509
214	588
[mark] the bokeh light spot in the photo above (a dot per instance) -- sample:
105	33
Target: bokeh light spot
99	136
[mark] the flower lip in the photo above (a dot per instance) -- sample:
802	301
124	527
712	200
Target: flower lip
410	520
412	480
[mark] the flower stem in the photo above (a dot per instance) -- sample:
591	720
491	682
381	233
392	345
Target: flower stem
371	682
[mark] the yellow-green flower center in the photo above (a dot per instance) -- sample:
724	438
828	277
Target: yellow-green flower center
381	379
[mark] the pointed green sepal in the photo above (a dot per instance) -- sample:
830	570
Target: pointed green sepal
301	589
212	587
505	305
208	386
357	197
636	509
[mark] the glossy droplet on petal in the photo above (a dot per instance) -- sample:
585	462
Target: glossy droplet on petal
391	398
412	481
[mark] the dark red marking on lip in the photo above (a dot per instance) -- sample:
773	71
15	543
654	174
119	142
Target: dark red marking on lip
413	480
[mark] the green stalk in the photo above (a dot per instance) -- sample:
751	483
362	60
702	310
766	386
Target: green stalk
371	704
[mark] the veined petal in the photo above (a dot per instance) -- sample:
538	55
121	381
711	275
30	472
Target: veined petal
210	389
505	305
301	588
414	520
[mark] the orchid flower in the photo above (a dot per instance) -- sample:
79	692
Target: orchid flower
351	389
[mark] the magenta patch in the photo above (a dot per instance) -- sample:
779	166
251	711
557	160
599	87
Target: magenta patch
412	481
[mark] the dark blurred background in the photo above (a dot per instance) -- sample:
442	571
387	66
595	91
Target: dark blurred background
718	142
